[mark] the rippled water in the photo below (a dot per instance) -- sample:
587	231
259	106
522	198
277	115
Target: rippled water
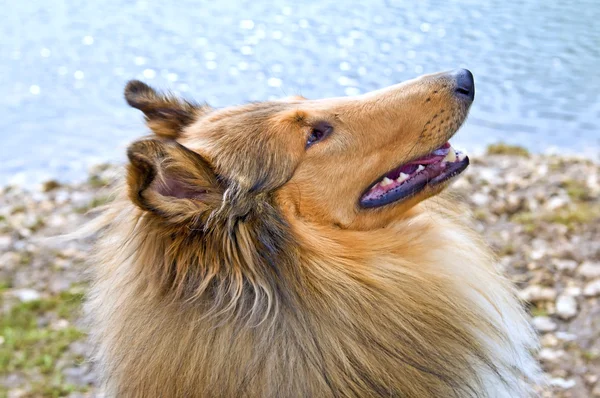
64	65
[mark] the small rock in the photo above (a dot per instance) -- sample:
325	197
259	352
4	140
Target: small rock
556	202
26	295
566	306
16	393
56	220
549	340
562	383
549	355
589	270
480	199
60	324
9	260
592	288
544	324
5	242
565	265
574	291
535	293
591	379
564	336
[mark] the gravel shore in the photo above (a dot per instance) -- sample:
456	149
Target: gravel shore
541	214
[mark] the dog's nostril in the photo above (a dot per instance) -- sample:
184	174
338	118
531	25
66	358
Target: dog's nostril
465	85
463	91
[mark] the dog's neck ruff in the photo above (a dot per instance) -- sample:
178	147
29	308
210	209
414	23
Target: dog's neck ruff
416	308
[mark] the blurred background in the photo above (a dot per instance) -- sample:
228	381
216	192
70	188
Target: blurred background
65	63
533	188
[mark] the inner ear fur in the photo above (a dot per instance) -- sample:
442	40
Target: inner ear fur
170	180
166	115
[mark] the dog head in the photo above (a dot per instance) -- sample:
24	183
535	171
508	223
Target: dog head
354	162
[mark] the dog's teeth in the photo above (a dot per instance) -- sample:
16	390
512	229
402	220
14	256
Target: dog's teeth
451	156
461	156
386	181
420	168
403	177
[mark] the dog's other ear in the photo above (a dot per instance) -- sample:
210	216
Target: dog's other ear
166	115
171	181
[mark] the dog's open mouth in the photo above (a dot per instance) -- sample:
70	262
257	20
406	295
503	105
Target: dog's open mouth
411	178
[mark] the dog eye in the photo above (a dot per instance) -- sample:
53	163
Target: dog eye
319	132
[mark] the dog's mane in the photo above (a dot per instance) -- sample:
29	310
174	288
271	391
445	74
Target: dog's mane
277	279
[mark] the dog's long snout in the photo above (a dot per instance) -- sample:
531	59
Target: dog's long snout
465	85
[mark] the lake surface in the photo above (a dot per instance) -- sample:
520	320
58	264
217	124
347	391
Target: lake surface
64	65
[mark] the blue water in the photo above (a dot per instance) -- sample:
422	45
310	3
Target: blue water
64	64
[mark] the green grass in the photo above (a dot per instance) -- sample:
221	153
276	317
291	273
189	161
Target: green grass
4	285
537	311
35	349
527	219
572	216
96	182
575	215
590	356
507	149
576	190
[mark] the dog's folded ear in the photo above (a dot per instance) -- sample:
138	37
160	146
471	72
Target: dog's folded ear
166	115
171	181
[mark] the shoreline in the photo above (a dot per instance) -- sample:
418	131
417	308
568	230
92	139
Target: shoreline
30	181
539	213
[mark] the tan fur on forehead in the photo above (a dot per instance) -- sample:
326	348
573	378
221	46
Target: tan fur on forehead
291	118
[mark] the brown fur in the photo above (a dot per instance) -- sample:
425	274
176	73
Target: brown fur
237	263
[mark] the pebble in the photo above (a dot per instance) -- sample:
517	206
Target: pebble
548	355
562	383
589	270
26	295
564	336
544	324
564	265
566	306
536	293
5	242
556	203
60	324
592	288
574	291
480	199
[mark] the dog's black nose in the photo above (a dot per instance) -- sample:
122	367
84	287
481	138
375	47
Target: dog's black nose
465	85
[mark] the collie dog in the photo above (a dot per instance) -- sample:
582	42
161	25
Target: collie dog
302	248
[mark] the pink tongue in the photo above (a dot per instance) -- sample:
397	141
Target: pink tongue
428	159
409	168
